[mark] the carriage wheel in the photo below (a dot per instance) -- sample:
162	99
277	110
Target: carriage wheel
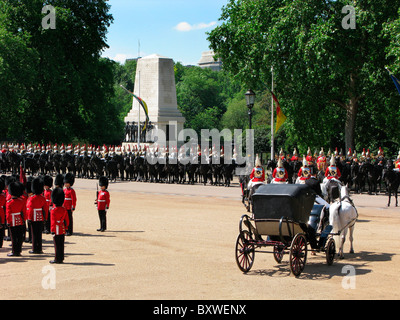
298	254
330	251
244	252
278	253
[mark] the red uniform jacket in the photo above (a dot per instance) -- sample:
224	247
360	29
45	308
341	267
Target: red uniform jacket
59	220
284	179
15	211
329	176
70	199
36	208
3	208
300	175
103	200
254	179
47	196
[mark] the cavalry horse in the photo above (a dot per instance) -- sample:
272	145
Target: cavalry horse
392	180
342	217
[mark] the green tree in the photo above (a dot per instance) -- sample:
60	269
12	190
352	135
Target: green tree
67	87
326	75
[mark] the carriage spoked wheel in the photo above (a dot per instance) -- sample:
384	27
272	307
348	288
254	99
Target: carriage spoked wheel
298	254
279	251
330	251
244	251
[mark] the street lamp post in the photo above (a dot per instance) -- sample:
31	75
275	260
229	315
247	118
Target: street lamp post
250	98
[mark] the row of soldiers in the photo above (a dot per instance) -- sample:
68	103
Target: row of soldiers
33	205
321	160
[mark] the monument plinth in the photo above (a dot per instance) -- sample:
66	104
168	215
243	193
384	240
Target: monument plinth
155	84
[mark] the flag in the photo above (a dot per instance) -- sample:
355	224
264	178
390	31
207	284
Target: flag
22	176
280	117
142	103
396	82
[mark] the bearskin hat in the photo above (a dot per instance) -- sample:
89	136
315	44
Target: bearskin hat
16	189
2	185
103	181
28	187
69	178
9	180
58	196
59	180
48	181
37	186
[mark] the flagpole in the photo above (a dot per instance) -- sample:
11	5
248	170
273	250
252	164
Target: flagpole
272	116
138	132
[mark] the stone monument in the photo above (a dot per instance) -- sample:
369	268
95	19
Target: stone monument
155	84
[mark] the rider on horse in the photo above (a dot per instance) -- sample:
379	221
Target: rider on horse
304	172
280	174
257	175
332	171
321	161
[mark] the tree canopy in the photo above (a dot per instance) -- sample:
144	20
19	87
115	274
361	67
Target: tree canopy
331	81
55	86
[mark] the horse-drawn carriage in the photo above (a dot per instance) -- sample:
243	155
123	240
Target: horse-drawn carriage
288	218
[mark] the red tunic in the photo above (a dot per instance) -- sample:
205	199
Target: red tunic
70	199
103	200
15	211
284	179
36	208
254	179
47	196
59	220
328	173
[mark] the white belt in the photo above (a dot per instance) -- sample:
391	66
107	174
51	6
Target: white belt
68	199
101	200
13	216
35	213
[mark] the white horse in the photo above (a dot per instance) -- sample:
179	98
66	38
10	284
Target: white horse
342	217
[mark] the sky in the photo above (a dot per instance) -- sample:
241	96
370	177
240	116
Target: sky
175	29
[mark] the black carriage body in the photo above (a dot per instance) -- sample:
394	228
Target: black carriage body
292	201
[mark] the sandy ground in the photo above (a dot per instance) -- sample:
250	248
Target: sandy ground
178	242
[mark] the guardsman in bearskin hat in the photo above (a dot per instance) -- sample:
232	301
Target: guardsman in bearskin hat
103	203
70	200
257	175
304	172
37	213
280	175
15	215
48	185
332	171
59	223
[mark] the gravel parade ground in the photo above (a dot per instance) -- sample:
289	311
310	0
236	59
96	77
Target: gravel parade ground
177	242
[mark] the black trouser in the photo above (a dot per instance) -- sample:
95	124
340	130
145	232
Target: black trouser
2	234
71	222
17	238
47	223
36	227
103	219
59	247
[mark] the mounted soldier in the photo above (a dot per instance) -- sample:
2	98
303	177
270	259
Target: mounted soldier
321	161
332	171
280	174
304	172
